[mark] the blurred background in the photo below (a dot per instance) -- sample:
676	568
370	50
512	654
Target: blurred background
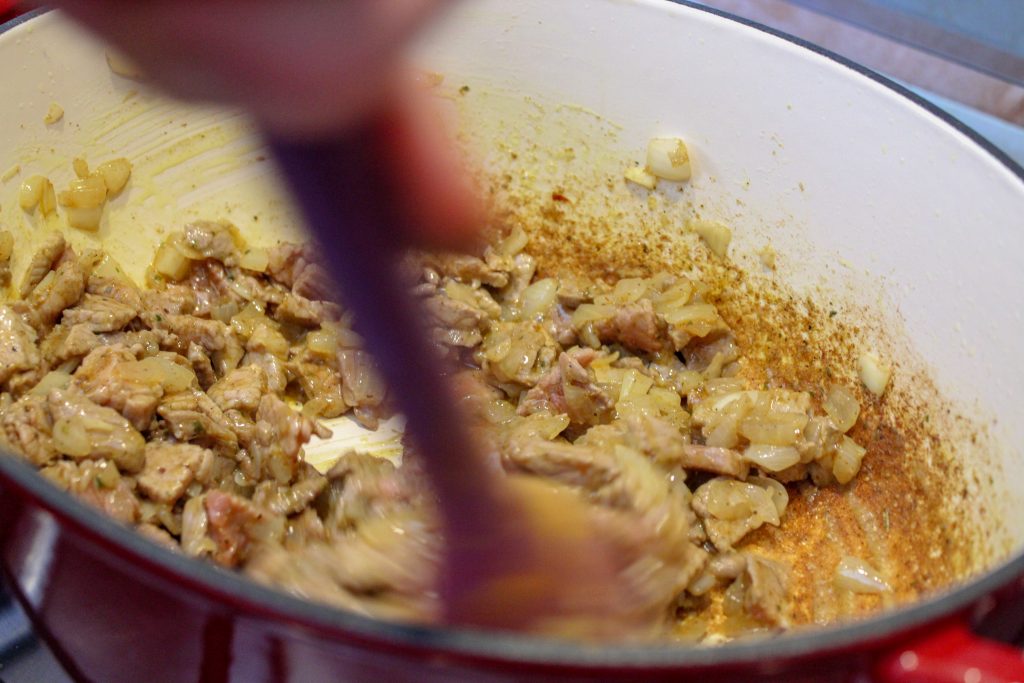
966	56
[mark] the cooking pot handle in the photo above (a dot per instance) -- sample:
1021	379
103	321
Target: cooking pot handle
952	654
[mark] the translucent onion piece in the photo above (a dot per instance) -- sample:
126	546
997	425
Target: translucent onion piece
847	460
857	576
714	234
641	176
771	458
874	373
841	405
115	174
669	159
539	297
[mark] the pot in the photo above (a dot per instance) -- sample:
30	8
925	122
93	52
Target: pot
853	181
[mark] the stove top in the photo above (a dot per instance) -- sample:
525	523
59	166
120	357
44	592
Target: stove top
23	657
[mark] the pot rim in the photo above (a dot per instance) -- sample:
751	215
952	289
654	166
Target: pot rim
235	591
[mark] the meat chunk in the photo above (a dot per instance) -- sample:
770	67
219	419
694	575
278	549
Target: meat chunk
212	335
55	293
458	323
364	486
211	240
96	483
280	434
636	326
763	585
320	380
361	385
287	262
236	526
18	351
293	499
201	365
42	262
100	314
171	299
466	269
724	461
191	415
570	389
99	378
119	289
386	568
240	389
27	429
82	429
80	342
298	310
170	468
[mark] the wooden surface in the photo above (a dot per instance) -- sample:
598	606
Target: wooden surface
874	48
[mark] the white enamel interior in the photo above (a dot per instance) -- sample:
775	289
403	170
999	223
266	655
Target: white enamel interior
840	173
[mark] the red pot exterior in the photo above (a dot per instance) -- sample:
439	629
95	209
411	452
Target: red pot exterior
112	614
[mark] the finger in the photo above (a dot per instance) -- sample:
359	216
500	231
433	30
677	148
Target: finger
432	178
304	68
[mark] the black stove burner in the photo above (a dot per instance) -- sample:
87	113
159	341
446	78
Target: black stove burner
23	657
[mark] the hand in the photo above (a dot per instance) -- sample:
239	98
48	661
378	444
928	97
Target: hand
305	68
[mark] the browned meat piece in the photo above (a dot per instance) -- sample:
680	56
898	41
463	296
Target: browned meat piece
274	367
212	335
459	324
97	483
569	389
171	467
63	290
99	378
42	263
158	536
100	314
81	340
700	354
280	434
210	240
724	461
119	289
314	283
560	327
320	380
201	365
18	351
467	269
517	352
240	389
636	326
82	429
573	291
298	310
171	299
27	428
364	486
290	500
236	526
288	261
361	385
764	587
193	416
386	568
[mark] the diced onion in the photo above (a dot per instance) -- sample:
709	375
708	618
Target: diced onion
31	192
776	429
54	113
56	379
115	174
157	370
714	234
669	159
70	437
122	66
48	200
256	260
85	193
857	576
80	167
775	489
588	313
84	218
847	460
641	176
171	263
874	373
841	405
771	458
539	297
728	500
513	244
322	342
